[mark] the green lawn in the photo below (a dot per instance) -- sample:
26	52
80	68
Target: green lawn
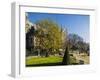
47	61
43	60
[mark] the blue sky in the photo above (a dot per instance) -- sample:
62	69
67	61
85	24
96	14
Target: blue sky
75	23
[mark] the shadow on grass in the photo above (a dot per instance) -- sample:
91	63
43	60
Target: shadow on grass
45	64
50	64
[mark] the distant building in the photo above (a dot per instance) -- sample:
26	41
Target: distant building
30	29
64	37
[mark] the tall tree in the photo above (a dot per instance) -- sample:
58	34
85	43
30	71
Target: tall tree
50	34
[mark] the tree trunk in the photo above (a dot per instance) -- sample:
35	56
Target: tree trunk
66	59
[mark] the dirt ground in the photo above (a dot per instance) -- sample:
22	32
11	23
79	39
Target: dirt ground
82	57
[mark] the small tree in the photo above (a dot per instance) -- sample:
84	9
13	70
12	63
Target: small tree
66	58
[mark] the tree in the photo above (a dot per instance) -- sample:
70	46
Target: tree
73	40
50	35
83	47
66	58
80	46
76	43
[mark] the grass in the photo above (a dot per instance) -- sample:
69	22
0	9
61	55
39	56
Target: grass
43	60
47	61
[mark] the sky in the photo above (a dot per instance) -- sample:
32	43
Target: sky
74	23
